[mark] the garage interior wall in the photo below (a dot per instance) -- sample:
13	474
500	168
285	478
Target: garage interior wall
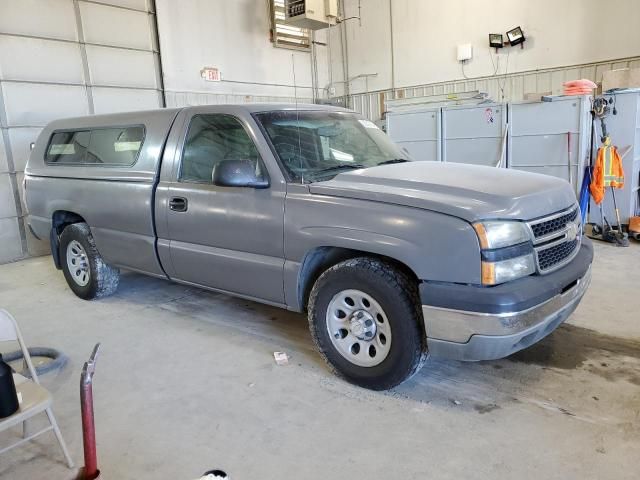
63	58
60	58
232	36
412	44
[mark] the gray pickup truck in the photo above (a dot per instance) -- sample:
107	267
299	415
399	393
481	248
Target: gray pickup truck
314	209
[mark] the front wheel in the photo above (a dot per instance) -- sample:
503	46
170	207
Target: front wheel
365	319
84	269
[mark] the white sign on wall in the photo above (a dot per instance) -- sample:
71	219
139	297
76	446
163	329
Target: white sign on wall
210	74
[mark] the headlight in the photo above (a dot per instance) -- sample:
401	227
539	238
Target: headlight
496	234
507	252
494	273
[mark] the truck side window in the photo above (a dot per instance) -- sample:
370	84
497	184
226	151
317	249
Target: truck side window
212	139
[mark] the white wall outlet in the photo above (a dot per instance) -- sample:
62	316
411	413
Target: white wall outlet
465	52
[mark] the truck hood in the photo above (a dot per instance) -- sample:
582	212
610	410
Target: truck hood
469	192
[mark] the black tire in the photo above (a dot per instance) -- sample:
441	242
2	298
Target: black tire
398	295
103	278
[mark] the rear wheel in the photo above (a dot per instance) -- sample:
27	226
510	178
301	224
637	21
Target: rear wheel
365	319
84	269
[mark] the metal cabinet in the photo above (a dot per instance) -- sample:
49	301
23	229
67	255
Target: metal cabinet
473	134
417	131
551	138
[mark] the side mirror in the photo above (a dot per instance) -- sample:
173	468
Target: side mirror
237	173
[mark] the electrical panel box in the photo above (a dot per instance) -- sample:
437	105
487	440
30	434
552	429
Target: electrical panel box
331	8
465	52
311	14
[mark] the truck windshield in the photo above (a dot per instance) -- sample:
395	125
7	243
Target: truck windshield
317	145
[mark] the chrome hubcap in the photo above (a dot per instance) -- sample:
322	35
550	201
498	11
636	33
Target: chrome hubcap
362	325
78	263
358	328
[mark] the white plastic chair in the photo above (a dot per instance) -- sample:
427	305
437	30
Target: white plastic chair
35	398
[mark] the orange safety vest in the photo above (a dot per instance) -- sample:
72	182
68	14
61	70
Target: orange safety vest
607	172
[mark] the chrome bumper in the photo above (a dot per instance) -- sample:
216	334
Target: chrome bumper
466	335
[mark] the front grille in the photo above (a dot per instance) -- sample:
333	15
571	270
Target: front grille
556	239
552	256
548	227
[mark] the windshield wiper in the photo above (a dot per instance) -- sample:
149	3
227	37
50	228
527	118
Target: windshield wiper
344	166
395	160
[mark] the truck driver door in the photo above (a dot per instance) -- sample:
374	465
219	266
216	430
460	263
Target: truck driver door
228	238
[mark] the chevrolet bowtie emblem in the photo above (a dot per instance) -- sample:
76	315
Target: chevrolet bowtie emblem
572	232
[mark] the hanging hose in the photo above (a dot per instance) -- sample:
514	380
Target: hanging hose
58	359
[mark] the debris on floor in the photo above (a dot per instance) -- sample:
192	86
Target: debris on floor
281	358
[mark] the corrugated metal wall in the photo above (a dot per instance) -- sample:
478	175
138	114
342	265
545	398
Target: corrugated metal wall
61	58
509	88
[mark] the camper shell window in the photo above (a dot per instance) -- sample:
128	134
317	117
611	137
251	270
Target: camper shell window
110	146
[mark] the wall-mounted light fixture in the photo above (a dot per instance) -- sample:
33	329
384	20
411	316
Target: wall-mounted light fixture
495	40
515	36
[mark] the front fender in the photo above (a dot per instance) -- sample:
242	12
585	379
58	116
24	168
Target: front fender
433	245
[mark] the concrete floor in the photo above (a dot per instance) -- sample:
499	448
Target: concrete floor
186	382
